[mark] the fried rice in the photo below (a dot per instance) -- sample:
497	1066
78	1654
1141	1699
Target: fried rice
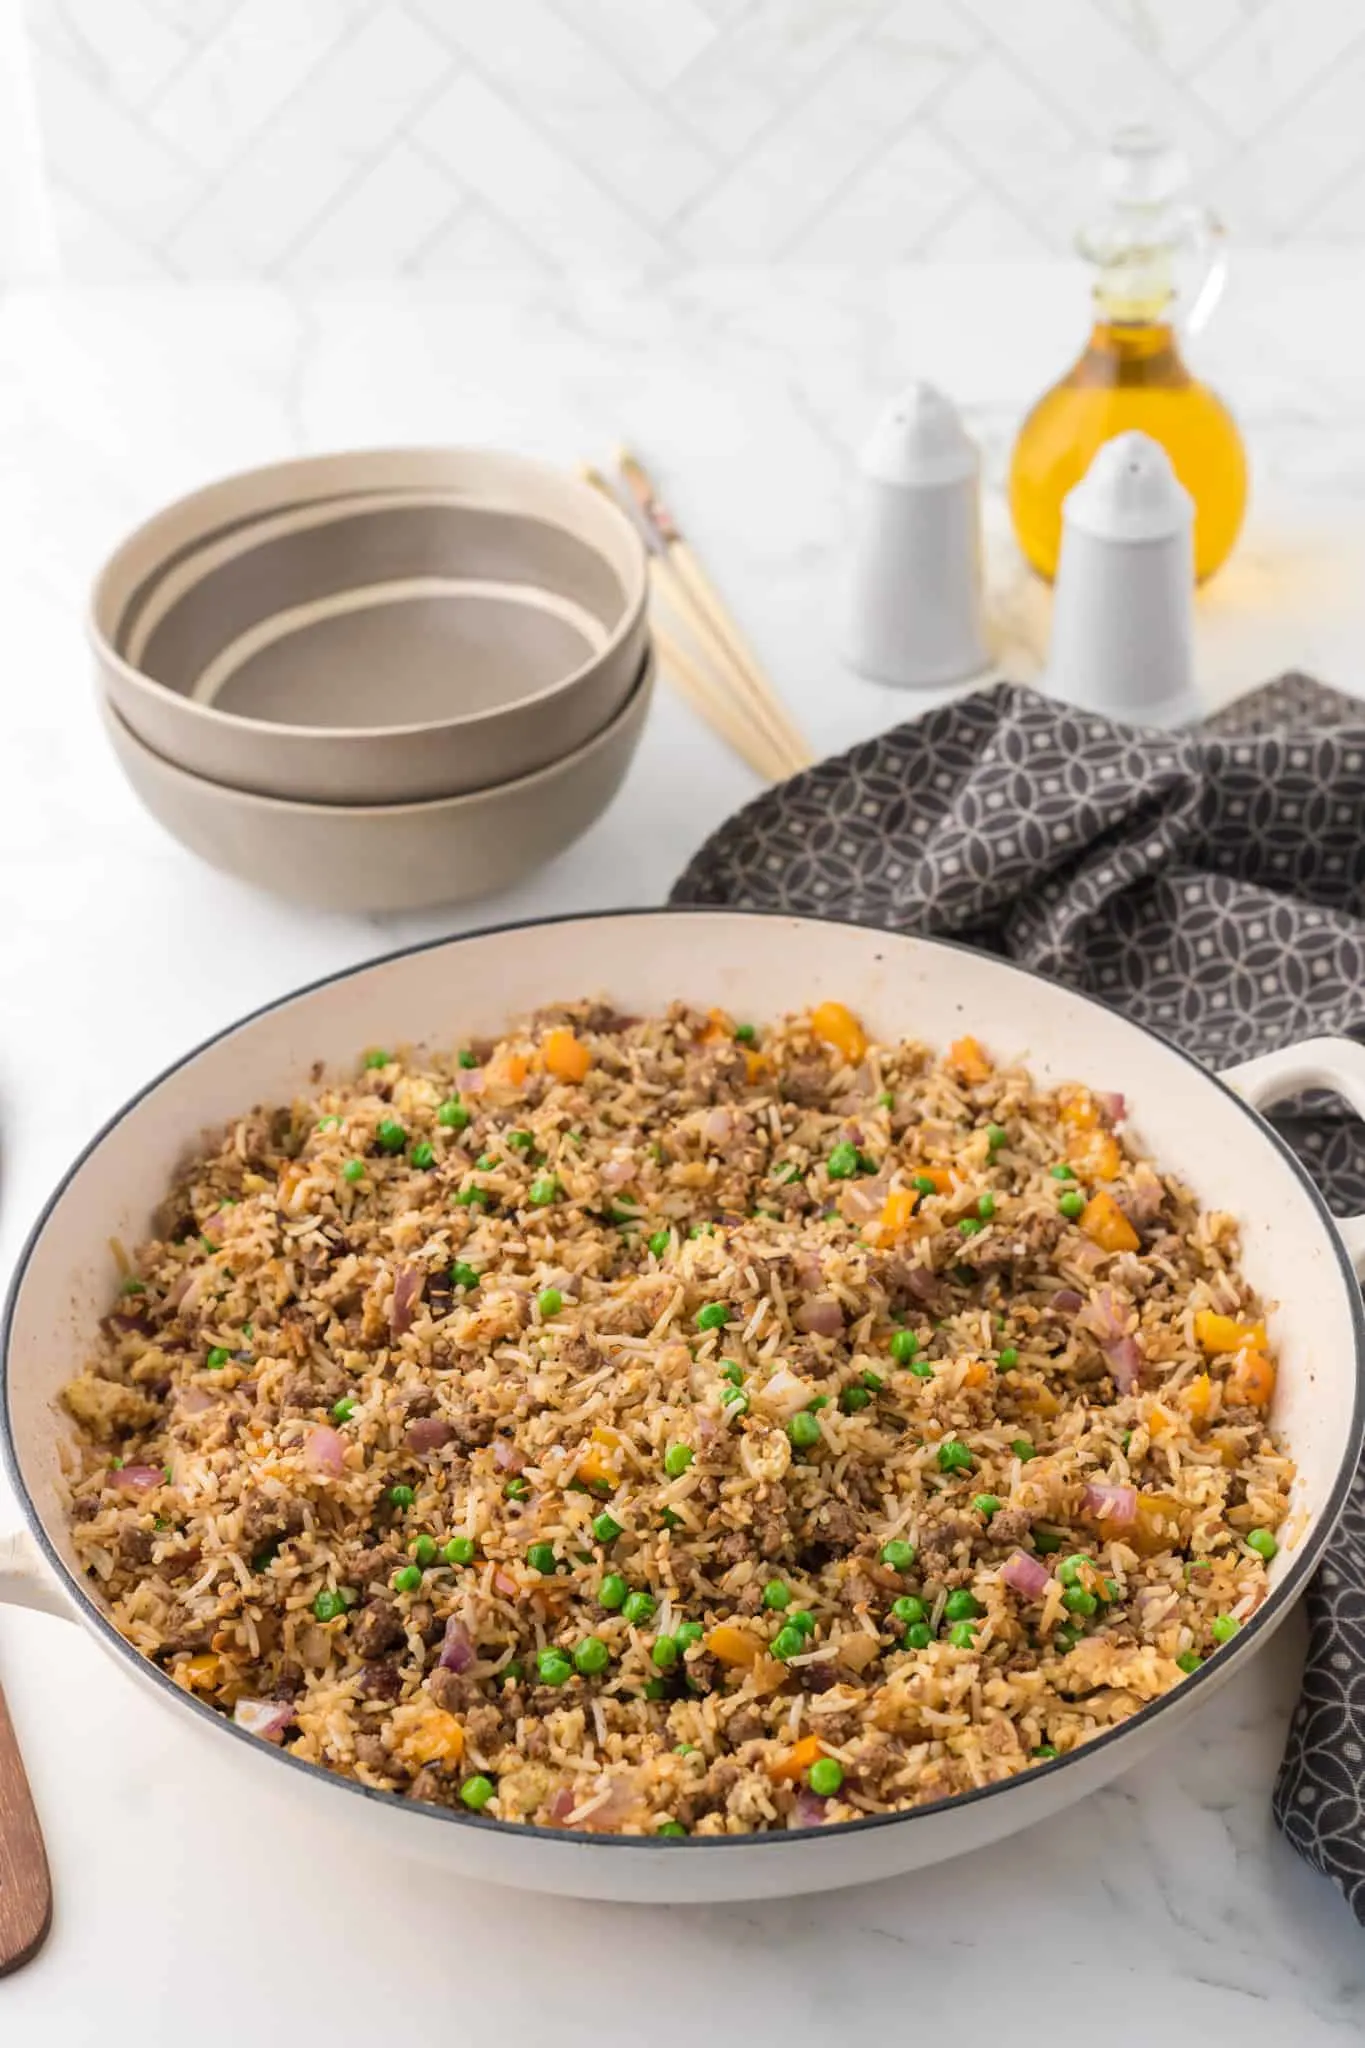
667	1425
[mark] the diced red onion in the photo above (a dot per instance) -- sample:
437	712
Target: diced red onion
457	1647
506	1456
820	1317
407	1292
428	1433
470	1081
1116	1504
139	1478
808	1809
1026	1574
1067	1300
266	1718
1113	1105
1125	1362
325	1452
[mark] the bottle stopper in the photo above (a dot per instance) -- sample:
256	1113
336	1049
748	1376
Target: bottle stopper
1123	607
915	615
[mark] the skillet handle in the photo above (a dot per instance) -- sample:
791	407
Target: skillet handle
1337	1064
24	1582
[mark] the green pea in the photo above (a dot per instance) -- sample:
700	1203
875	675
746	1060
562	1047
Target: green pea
1072	1205
541	1558
1223	1628
452	1115
467	1059
639	1608
376	1059
899	1555
985	1208
804	1431
802	1618
1062	1172
1045	1751
729	1370
422	1155
1070	1569
713	1315
402	1496
549	1301
407	1579
476	1793
1079	1601
672	1828
605	1527
664	1654
612	1591
543	1190
789	1642
969	1226
996	1136
843	1162
517	1489
962	1635
344	1409
1007	1359
1261	1541
591	1656
853	1398
777	1594
677	1458
987	1504
825	1776
390	1136
961	1605
687	1633
462	1274
908	1608
328	1605
218	1358
1188	1661
660	1242
954	1457
904	1345
918	1636
553	1667
459	1550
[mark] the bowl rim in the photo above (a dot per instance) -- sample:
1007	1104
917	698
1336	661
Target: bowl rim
1274	1606
635	588
633	705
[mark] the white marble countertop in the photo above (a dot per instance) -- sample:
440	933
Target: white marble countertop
1165	1908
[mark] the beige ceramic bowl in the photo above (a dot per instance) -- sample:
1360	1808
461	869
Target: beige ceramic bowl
370	628
388	856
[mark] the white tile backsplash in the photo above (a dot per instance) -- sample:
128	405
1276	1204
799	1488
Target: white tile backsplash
222	138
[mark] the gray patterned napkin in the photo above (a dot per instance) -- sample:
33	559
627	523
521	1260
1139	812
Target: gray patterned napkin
1209	882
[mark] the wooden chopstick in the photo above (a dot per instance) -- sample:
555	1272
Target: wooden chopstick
701	603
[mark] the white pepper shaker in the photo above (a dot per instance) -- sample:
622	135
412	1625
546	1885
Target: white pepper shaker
915	615
1123	607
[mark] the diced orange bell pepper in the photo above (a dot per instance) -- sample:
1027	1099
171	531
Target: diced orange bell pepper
1196	1398
596	1465
797	1760
1217	1334
733	1645
1103	1221
565	1056
837	1026
898	1209
1251	1383
968	1060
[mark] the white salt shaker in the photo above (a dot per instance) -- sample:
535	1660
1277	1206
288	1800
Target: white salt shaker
1123	609
916	616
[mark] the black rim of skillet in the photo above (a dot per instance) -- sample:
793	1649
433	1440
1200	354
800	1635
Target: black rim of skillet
578	1838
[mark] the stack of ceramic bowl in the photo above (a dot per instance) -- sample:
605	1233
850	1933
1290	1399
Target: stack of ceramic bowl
377	681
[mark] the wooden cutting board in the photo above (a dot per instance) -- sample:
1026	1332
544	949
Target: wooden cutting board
25	1886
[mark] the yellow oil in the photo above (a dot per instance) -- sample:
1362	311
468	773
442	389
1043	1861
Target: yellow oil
1130	375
